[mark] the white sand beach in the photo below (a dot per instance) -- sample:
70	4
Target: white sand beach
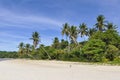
21	69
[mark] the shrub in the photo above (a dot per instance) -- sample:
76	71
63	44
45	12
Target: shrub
111	52
93	50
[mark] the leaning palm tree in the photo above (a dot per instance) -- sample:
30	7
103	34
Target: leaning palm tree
21	48
73	34
83	30
70	31
42	47
100	23
35	38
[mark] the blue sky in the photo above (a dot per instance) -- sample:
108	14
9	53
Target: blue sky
19	18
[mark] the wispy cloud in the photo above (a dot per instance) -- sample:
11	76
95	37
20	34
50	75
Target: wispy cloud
10	35
10	18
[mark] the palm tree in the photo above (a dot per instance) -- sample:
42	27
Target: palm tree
70	31
21	48
83	30
91	31
73	34
100	23
56	43
27	48
65	30
35	38
110	26
63	44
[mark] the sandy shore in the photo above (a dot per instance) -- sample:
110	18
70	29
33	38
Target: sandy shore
20	69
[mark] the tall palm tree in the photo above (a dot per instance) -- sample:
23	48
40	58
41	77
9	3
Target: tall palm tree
83	30
70	31
21	48
73	34
65	30
35	38
100	23
111	26
27	48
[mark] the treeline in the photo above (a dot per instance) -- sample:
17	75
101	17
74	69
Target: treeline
102	45
8	54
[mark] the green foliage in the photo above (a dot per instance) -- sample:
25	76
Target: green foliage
111	52
109	37
100	25
71	32
103	45
91	31
56	43
94	49
21	48
4	54
116	60
27	48
83	30
35	38
63	44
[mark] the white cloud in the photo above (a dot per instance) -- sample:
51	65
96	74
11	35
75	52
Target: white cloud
9	18
9	35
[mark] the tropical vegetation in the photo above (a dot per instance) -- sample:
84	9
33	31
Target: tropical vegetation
102	44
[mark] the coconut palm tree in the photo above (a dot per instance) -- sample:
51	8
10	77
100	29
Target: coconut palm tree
21	48
83	30
35	38
27	48
91	31
56	43
100	23
111	26
73	34
65	30
63	44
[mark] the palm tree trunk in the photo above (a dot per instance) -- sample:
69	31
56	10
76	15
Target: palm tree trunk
46	52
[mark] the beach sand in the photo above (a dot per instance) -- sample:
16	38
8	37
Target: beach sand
22	69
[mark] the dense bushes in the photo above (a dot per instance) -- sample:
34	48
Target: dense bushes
94	49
